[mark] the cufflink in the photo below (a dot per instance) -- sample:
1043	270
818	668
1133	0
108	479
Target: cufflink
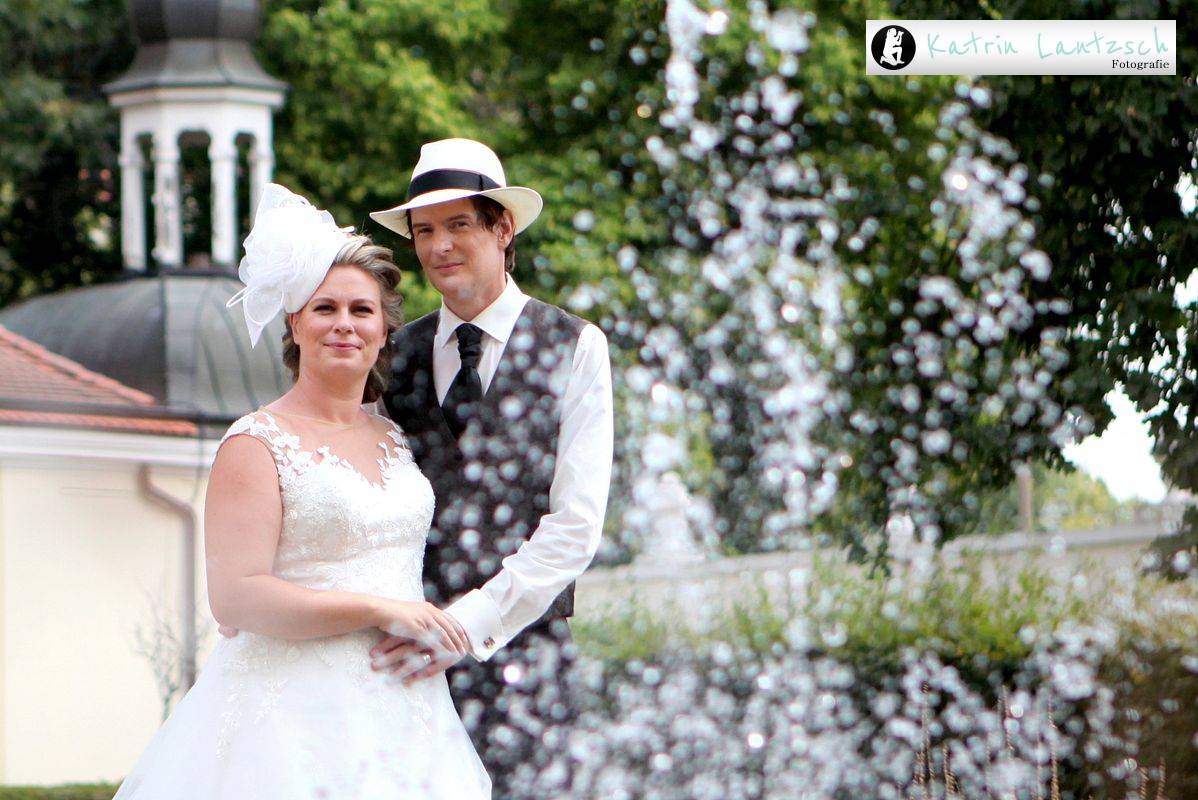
488	643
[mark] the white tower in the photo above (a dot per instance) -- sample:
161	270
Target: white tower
194	73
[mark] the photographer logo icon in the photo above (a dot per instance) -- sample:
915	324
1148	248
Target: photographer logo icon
893	47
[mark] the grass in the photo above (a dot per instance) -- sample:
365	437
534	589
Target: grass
72	791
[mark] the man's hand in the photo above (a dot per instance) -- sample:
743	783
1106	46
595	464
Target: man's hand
411	661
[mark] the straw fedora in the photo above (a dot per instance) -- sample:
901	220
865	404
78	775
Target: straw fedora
451	169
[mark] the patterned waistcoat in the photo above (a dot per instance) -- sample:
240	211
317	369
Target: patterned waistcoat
492	484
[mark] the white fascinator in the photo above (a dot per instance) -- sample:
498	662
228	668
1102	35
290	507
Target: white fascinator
287	255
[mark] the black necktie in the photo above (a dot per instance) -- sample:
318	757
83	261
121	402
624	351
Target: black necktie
467	386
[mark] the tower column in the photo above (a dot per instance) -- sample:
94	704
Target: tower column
168	212
262	169
222	154
133	205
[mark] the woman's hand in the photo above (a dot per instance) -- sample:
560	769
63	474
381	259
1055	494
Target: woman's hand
407	660
423	623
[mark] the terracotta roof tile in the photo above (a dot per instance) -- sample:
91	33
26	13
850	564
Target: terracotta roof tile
30	373
165	427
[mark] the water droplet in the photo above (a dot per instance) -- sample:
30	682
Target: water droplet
584	220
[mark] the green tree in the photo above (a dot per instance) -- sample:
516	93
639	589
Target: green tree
1064	498
58	143
1112	151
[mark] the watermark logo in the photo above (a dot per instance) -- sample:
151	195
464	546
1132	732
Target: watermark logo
893	47
1021	47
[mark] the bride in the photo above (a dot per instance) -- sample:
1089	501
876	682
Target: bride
315	528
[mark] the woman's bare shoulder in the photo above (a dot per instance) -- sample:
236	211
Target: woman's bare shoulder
246	448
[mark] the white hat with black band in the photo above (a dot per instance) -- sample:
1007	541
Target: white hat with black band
451	169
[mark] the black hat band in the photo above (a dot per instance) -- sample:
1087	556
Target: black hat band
436	179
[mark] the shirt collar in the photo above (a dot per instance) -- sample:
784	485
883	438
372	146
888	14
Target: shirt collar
496	320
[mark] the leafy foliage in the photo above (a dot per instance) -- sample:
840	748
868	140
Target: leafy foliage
1112	152
1063	499
58	153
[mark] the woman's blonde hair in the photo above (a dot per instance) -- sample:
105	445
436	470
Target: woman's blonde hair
377	261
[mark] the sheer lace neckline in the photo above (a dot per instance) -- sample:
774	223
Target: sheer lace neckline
325	454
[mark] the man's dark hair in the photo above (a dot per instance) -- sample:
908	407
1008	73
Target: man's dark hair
490	214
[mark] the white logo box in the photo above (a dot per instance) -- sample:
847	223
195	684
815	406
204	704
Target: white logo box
1032	47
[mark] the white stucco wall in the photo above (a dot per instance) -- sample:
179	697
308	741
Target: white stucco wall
83	554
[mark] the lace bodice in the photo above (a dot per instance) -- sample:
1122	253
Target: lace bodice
340	530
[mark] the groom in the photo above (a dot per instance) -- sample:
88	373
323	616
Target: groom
507	405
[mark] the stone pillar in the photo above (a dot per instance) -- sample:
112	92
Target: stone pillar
262	169
168	211
133	206
223	157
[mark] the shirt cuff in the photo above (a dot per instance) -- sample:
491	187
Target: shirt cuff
479	615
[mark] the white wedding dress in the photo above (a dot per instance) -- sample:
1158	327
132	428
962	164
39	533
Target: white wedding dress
272	719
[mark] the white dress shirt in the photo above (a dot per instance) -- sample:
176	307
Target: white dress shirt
566	539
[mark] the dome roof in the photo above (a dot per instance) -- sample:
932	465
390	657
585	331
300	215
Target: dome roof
169	336
194	43
157	21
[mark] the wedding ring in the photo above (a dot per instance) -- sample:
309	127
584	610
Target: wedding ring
427	658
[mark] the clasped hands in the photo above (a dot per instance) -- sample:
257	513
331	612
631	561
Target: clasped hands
420	640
